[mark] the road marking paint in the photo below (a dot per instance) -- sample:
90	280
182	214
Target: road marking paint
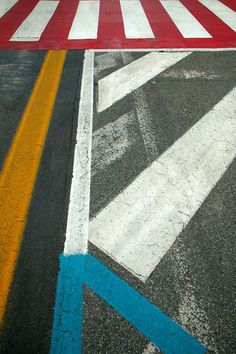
78	214
85	24
117	85
143	117
190	74
20	168
68	313
77	270
135	21
186	23
141	30
222	11
151	349
111	142
105	61
33	26
142	223
6	5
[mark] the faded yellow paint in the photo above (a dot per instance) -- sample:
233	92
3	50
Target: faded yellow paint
21	165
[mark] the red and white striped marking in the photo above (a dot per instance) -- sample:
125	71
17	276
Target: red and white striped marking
114	24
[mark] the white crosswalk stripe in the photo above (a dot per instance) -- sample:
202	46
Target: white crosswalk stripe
135	21
227	15
184	20
6	5
85	24
33	26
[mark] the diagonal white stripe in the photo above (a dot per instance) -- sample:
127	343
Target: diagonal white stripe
222	11
184	20
142	223
135	21
85	24
6	5
119	84
33	26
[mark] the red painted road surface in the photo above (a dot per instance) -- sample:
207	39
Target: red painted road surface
111	33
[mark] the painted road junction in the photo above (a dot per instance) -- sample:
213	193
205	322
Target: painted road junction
193	283
106	24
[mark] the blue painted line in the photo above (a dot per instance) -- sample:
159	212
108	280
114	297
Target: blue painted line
68	313
76	270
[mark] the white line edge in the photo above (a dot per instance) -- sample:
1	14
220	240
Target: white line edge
76	241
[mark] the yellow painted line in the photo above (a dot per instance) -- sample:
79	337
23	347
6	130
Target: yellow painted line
21	165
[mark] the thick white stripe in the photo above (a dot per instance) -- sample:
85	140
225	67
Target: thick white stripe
142	223
78	215
6	5
33	26
135	21
184	20
85	24
227	15
119	84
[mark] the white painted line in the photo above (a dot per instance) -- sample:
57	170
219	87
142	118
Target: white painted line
186	23
119	84
6	5
140	225
85	24
33	26
151	349
135	21
78	215
222	11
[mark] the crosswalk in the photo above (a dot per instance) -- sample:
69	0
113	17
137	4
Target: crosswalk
118	23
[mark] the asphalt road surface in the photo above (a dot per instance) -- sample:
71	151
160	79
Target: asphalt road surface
149	139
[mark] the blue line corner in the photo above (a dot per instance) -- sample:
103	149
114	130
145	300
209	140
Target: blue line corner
77	270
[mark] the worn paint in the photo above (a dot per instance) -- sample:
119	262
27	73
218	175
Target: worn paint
111	142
